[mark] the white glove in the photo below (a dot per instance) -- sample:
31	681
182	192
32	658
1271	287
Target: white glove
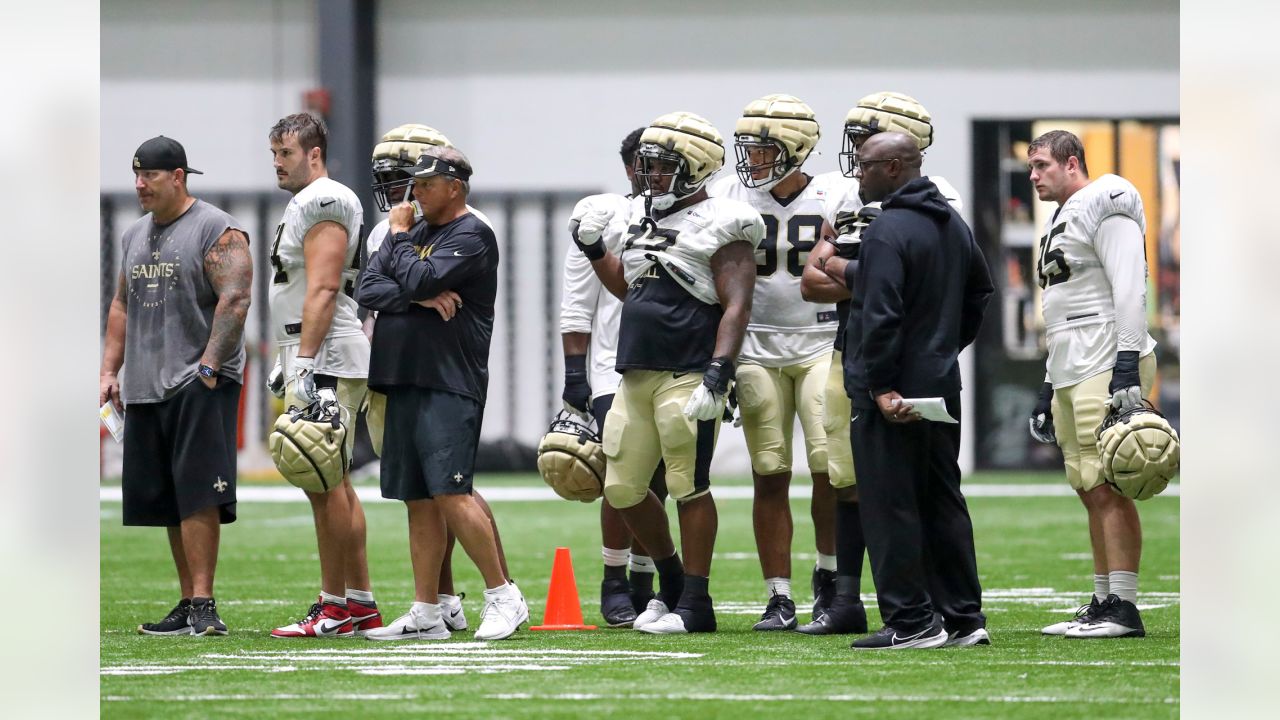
304	381
1126	398
275	381
592	226
704	404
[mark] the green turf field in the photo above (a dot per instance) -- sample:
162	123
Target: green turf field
1032	556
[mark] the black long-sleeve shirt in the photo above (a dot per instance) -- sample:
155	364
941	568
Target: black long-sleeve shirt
923	286
413	345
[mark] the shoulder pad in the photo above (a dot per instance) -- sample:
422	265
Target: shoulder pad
329	206
1110	195
949	192
721	185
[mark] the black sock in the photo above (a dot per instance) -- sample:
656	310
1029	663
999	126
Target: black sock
642	583
671	579
618	572
201	600
850	545
695	589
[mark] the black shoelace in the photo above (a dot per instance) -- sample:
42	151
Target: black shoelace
774	606
179	612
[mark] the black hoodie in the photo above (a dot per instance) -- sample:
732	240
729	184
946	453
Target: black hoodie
922	285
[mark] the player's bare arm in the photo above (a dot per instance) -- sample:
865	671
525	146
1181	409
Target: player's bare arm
324	251
229	269
816	286
113	346
734	269
609	270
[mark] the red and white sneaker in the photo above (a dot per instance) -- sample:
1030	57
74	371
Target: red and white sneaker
364	616
322	620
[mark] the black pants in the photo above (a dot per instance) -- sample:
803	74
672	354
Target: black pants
919	536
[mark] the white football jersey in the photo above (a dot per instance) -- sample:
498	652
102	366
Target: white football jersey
784	329
345	350
380	231
684	241
1093	280
585	306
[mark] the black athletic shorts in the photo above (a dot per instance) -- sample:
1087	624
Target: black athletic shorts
180	455
429	443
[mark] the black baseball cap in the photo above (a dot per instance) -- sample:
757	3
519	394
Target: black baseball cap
162	153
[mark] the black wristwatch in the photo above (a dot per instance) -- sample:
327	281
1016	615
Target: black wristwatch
206	371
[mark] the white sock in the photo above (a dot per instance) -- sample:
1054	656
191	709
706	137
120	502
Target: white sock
1124	584
615	558
778	586
826	562
335	599
643	564
364	596
1101	587
431	610
503	589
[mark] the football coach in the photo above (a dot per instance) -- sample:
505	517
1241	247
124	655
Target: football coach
919	292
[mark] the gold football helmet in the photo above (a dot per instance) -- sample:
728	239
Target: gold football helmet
884	112
397	151
677	153
781	123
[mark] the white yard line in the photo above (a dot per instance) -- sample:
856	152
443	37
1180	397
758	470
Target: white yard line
869	697
540	493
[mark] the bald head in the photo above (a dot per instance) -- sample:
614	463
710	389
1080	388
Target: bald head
886	162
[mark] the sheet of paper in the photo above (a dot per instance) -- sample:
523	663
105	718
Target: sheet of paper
934	408
113	420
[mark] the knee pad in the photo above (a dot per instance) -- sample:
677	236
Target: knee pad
623	496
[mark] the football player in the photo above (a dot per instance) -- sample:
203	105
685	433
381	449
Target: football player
685	273
1092	272
589	338
787	350
875	113
315	258
393	157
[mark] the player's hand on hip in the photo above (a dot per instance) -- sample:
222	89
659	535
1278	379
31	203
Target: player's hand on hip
304	381
894	409
446	303
1041	420
109	389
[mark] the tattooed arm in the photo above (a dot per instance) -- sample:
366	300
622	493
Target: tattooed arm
113	346
230	271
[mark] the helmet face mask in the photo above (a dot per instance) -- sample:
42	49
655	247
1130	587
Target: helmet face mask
757	156
883	112
391	183
678	152
396	152
773	138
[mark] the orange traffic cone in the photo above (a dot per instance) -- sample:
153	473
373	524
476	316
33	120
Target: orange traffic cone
564	611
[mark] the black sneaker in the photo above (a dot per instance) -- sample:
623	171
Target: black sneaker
890	639
1084	615
204	618
175	623
845	616
824	591
779	614
615	603
641	591
1115	618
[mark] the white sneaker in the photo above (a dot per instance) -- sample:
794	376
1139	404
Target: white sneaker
669	624
1083	616
451	610
652	612
422	622
977	637
504	611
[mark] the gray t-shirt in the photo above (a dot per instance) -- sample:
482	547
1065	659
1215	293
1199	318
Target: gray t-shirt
170	303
